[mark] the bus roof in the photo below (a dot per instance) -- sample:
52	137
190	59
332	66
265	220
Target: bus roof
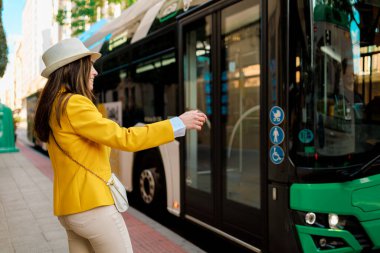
135	22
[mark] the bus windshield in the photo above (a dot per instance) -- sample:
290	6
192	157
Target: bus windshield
335	92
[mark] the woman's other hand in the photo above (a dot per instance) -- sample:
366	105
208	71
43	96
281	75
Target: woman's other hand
193	119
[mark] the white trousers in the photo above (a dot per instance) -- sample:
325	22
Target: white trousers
100	230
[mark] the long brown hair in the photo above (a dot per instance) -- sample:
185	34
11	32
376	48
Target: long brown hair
74	77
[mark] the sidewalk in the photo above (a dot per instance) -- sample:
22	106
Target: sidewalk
27	223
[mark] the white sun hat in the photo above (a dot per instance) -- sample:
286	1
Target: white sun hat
63	53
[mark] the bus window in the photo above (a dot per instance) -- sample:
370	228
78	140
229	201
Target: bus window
198	95
146	90
240	102
337	88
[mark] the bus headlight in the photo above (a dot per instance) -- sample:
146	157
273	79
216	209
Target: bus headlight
310	218
321	220
333	220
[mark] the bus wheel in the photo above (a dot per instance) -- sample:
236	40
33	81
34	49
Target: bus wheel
149	182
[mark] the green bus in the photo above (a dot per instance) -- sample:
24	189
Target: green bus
289	160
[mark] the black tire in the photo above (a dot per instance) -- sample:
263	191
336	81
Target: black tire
149	186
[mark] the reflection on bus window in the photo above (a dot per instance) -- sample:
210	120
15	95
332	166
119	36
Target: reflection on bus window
337	83
146	93
240	102
198	95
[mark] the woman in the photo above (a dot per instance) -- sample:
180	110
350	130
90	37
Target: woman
67	119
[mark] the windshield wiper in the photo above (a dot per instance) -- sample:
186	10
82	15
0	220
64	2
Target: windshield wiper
365	166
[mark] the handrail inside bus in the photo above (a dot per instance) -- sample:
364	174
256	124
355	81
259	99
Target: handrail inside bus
245	114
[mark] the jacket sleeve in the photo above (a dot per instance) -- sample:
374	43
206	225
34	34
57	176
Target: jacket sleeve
89	123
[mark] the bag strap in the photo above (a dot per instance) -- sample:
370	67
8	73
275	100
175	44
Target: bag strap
69	156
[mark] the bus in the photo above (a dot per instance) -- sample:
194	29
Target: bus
289	159
31	106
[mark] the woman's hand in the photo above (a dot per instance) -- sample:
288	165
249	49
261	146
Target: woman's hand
193	119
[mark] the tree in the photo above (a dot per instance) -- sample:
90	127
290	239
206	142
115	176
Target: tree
85	12
3	45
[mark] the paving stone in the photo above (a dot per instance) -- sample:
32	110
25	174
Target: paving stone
27	223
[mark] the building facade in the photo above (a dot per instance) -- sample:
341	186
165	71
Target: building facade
40	30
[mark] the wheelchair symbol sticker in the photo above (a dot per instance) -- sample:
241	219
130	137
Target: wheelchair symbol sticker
276	135
276	154
276	115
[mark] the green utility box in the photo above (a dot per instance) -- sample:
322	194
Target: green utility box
7	132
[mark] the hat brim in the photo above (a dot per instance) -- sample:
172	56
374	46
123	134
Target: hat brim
53	67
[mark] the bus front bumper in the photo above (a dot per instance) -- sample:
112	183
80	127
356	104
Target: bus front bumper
354	204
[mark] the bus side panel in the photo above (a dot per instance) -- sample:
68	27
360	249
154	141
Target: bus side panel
31	106
170	158
122	166
280	226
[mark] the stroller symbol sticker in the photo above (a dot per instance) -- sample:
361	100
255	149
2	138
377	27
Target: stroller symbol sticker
276	115
276	154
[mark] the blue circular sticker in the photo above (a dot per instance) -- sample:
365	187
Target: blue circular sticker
277	115
305	136
276	135
276	154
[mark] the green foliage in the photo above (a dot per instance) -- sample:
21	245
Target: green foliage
3	45
130	2
61	16
78	27
100	3
85	12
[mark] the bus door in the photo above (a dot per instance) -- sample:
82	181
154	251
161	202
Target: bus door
220	62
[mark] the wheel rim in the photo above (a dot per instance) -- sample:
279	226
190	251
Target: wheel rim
147	185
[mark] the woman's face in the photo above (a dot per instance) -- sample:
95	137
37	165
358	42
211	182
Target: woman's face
93	73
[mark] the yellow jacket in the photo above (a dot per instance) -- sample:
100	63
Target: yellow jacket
87	136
